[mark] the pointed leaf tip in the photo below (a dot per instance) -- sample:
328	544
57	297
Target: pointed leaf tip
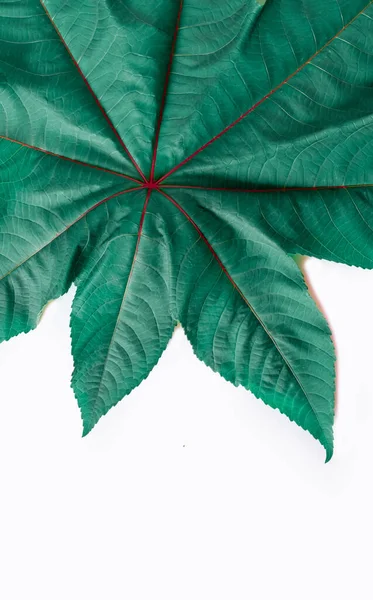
329	451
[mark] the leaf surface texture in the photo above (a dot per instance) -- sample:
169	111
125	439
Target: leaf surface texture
168	157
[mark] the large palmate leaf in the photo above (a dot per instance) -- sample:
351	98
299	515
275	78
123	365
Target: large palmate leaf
168	157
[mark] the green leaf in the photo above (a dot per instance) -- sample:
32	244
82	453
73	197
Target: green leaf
169	159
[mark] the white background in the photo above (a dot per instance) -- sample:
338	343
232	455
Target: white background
190	488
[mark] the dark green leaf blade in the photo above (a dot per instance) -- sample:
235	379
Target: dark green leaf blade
309	125
123	49
44	101
43	229
333	224
247	312
122	313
